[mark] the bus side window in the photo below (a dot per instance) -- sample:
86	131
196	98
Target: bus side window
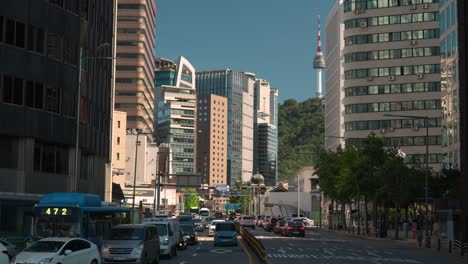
91	229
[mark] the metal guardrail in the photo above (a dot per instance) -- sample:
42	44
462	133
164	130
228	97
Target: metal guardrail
452	246
254	244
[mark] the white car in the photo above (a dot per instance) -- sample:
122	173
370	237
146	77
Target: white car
4	259
306	221
62	250
212	229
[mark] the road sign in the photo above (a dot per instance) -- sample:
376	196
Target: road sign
231	206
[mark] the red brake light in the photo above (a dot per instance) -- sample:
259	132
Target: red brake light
5	252
301	228
290	227
271	223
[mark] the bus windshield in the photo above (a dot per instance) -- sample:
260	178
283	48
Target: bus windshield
204	212
56	226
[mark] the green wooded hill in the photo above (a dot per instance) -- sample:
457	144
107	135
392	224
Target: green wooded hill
301	127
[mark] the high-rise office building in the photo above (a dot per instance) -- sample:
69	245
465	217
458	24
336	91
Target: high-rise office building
392	67
212	139
334	79
266	131
119	147
454	66
40	44
134	87
238	88
176	111
450	83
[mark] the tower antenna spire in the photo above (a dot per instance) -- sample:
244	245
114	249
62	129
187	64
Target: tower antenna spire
319	61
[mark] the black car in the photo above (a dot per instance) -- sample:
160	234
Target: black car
292	228
270	226
189	233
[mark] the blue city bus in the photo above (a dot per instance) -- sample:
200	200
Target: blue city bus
70	214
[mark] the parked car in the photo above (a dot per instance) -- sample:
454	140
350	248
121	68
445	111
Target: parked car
131	243
189	230
265	221
294	228
4	258
225	234
11	248
212	228
247	221
207	221
64	250
279	227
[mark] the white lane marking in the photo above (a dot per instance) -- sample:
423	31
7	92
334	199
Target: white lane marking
300	249
198	248
291	244
372	254
183	262
390	253
194	255
375	261
354	254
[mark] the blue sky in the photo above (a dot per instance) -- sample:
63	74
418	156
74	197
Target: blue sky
275	39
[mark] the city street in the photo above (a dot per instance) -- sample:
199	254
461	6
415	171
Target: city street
205	253
331	248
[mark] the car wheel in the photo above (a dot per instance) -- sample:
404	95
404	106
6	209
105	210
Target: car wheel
94	261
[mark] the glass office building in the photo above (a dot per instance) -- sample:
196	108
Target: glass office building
176	111
237	87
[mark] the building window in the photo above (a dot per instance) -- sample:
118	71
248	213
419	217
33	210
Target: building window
118	140
118	156
1	28
54	45
34	94
13	90
118	124
52	98
10	32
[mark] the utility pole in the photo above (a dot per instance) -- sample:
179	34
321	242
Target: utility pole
134	176
298	199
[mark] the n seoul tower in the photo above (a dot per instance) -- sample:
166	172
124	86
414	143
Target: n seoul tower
319	61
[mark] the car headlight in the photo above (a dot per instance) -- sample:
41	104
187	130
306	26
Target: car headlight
165	241
105	249
137	250
45	261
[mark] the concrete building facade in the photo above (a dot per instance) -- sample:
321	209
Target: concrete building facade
212	139
39	102
119	147
238	88
334	78
392	67
134	89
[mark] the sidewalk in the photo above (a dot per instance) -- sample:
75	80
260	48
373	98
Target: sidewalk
391	234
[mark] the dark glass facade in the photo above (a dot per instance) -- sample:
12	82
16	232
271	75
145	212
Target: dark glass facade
229	84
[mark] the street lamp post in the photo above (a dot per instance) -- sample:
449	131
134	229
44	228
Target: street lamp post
426	178
134	175
78	101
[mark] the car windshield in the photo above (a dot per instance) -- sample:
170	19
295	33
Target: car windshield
45	246
225	227
127	234
295	223
162	229
187	229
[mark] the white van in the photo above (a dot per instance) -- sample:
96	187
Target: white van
169	234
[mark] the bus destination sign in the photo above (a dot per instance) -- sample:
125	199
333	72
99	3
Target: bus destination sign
56	211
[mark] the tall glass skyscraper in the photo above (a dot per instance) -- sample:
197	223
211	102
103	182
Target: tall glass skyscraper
175	112
238	88
266	131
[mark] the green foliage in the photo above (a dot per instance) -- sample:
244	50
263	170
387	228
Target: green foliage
370	171
300	135
192	200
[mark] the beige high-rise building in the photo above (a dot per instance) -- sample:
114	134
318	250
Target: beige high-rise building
119	141
212	139
334	79
134	88
392	67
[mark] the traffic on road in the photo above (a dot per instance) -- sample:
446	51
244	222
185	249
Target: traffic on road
166	238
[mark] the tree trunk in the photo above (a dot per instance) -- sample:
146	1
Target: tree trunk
358	209
343	214
397	218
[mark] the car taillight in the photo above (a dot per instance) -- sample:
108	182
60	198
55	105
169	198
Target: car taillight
271	223
290	227
301	228
5	252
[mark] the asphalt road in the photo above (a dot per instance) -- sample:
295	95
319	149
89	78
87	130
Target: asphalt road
205	253
332	248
